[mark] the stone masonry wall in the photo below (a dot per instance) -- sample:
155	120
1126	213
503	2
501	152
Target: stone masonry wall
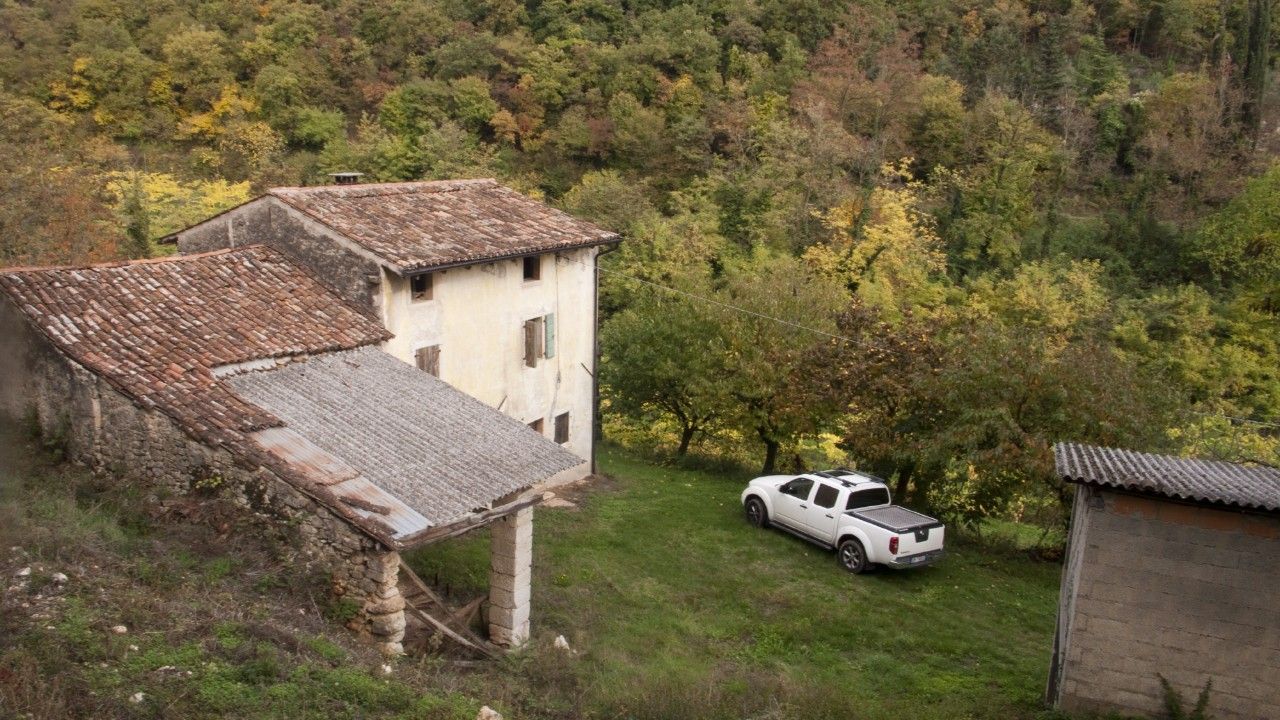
104	430
267	221
1184	591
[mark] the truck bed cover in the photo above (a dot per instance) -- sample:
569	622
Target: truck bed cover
896	518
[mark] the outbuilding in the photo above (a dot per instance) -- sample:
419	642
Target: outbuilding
1173	571
237	372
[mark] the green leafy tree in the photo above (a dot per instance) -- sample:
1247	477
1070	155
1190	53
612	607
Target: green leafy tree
665	357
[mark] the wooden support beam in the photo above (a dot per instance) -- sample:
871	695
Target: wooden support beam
480	647
463	615
473	521
462	634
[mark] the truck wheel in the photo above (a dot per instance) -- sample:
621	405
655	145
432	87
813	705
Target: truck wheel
852	557
756	513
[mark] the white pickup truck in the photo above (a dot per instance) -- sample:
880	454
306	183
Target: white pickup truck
848	511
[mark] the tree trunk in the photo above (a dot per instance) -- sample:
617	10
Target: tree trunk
770	453
686	437
904	482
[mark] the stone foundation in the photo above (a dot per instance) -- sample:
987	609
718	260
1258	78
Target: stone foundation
510	576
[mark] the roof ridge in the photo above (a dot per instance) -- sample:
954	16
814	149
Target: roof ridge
389	188
109	264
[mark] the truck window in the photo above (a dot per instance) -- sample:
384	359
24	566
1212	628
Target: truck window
867	498
826	496
798	488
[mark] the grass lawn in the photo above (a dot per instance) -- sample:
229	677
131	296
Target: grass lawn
677	608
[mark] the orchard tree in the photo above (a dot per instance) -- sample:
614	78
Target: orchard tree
666	356
773	350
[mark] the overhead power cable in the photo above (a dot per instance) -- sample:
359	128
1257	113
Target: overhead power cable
727	306
824	333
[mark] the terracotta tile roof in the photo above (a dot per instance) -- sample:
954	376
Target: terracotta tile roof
1207	481
156	329
423	225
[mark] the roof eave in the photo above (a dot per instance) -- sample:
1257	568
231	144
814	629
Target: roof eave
1170	497
405	270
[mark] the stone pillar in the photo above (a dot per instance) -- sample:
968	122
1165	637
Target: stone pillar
383	604
510	573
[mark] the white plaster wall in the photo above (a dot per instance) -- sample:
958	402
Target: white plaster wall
476	316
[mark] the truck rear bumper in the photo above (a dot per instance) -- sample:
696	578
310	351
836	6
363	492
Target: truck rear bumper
917	560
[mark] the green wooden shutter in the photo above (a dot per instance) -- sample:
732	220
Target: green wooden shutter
549	324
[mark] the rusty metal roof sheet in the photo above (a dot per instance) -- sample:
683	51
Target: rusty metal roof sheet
414	438
423	225
1191	479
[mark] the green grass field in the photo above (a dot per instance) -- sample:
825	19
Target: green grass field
677	608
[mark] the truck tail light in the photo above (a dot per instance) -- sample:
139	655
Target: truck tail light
893	545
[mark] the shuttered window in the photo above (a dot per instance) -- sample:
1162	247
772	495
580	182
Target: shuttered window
562	428
428	359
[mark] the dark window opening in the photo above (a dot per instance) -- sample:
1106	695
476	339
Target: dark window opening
420	286
799	488
562	428
867	498
536	426
428	359
533	267
826	496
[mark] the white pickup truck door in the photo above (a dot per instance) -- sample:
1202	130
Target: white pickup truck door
792	502
821	517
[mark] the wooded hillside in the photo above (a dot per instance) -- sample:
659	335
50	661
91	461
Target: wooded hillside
1015	221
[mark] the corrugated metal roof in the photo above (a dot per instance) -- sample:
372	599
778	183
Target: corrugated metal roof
421	225
418	440
1209	481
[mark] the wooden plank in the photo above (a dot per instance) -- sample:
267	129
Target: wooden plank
476	520
471	640
463	615
448	632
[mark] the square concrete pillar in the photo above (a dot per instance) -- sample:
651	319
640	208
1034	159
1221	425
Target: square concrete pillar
510	575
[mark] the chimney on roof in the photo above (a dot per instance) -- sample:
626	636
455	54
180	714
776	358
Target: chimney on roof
346	178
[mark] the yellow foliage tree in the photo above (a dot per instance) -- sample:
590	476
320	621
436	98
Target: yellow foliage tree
229	107
171	203
885	248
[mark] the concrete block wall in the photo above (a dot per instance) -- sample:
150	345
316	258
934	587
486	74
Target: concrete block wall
1187	592
510	578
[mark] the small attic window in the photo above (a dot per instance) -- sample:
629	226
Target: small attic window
420	286
533	267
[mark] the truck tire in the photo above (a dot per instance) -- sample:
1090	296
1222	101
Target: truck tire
756	513
852	556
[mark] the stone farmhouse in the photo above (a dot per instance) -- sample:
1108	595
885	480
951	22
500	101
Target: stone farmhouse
279	370
490	291
1173	569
